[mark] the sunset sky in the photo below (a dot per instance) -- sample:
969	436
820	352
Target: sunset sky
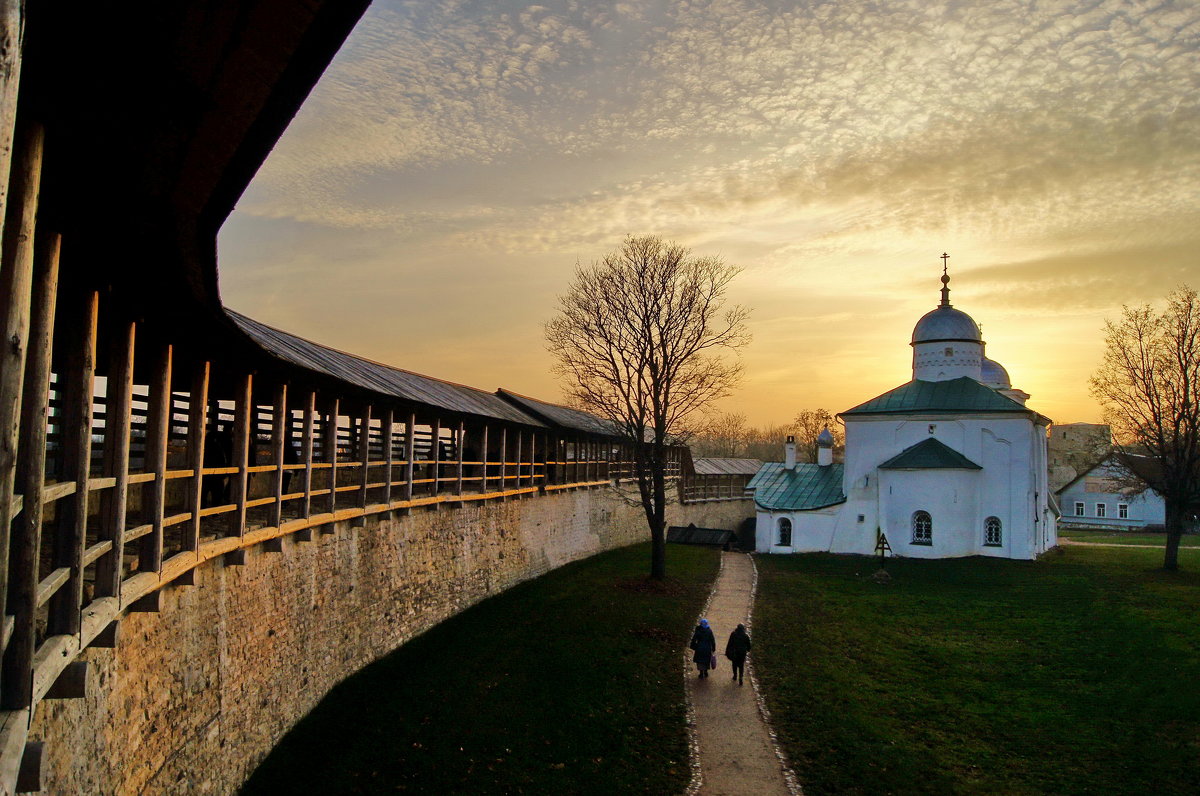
431	199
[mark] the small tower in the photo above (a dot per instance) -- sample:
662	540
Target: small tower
789	453
825	448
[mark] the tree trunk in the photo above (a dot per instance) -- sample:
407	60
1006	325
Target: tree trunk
658	521
1174	521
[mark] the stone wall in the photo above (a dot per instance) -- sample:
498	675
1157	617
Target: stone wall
195	696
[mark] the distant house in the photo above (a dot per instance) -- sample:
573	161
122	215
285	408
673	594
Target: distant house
1103	497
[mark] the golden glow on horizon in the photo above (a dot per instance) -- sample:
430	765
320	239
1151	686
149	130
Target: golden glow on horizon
435	192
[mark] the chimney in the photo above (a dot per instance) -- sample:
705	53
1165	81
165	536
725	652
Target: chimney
789	453
825	448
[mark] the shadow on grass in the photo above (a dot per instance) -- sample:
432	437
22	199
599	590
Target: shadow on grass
566	684
1073	674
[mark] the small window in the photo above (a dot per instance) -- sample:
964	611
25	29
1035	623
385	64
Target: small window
1123	510
922	528
993	535
1079	508
949	352
785	532
1101	510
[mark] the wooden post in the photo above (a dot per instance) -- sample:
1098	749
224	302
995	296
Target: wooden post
11	25
331	451
435	453
364	457
197	431
520	455
75	386
116	458
306	450
279	441
503	458
16	288
27	535
483	458
462	438
158	425
243	421
409	451
387	437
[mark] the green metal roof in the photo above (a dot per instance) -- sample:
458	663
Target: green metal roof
809	486
954	395
929	454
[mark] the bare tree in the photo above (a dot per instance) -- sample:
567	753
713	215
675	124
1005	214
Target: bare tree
723	435
1149	386
640	337
809	425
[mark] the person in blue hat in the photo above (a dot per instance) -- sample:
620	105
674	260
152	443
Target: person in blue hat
704	645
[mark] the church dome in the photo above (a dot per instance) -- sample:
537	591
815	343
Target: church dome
825	438
994	375
944	324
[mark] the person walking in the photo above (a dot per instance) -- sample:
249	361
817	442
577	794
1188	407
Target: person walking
736	649
704	646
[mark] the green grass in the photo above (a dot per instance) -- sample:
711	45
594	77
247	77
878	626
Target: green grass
1112	537
571	683
1074	674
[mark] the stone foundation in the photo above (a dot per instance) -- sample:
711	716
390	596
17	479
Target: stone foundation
193	697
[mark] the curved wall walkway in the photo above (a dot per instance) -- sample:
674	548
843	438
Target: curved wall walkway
194	696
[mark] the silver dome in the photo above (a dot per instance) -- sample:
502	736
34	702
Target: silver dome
825	438
946	324
994	375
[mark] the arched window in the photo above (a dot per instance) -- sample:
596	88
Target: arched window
993	535
785	532
922	527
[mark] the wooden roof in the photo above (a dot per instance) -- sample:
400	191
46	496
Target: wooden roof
561	416
380	378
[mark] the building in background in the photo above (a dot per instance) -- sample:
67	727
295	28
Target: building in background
950	464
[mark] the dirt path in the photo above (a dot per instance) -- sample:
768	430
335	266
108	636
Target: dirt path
737	754
1070	542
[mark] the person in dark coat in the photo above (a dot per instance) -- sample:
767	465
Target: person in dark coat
736	649
704	645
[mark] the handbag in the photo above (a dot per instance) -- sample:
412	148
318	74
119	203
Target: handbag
712	664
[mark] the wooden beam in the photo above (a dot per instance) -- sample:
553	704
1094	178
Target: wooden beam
243	421
279	443
71	682
409	451
306	450
196	434
158	420
386	433
330	431
435	452
117	415
461	445
12	23
16	290
75	388
503	458
483	481
364	456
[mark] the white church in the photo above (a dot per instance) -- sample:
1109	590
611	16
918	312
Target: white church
950	464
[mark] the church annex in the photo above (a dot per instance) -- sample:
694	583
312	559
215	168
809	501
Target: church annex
950	464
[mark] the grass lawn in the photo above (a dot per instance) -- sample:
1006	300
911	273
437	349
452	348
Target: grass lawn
571	683
1111	537
1074	674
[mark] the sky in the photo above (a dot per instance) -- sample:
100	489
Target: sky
433	196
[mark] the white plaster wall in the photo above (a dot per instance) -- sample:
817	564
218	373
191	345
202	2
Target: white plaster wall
930	362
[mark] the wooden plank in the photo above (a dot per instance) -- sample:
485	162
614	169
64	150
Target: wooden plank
409	449
242	432
462	447
279	445
520	454
197	431
12	13
330	445
158	420
364	455
435	431
306	451
389	455
95	551
56	490
114	502
51	584
16	291
503	457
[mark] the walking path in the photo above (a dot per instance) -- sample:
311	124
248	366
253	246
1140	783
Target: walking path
1070	542
737	754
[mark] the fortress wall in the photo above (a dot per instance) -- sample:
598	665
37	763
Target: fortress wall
193	697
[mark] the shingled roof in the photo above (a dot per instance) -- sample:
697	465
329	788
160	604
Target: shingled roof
929	454
808	486
560	416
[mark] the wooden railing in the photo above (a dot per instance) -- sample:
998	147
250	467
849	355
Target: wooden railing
714	486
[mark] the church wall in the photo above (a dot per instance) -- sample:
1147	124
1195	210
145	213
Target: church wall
950	496
930	362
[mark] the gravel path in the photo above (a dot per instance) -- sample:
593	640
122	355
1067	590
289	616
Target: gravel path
737	753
